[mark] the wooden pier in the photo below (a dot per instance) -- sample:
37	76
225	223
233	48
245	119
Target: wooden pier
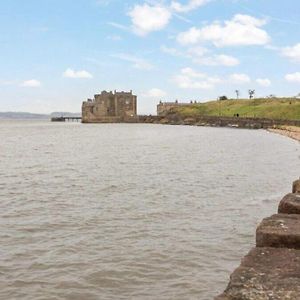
64	119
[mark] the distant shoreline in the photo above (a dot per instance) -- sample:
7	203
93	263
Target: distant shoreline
34	116
292	132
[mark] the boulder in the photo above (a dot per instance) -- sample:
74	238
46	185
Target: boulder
266	274
164	121
280	231
296	186
189	121
290	204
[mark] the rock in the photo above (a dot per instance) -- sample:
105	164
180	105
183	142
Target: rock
266	274
290	204
223	297
164	121
280	230
189	121
296	186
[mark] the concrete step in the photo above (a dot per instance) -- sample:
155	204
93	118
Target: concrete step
266	274
280	231
290	204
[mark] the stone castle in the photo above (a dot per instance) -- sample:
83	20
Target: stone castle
110	107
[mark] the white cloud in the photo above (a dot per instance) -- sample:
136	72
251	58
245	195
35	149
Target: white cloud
265	82
225	60
293	53
70	73
191	79
198	55
32	83
155	93
191	5
241	30
239	78
188	78
171	51
138	63
197	51
146	18
118	26
293	77
181	18
192	36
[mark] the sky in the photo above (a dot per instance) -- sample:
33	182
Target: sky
54	54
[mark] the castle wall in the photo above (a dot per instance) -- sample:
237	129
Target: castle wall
164	107
110	107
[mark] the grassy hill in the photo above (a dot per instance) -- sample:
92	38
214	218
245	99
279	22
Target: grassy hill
276	108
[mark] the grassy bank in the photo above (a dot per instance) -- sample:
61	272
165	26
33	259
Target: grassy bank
279	108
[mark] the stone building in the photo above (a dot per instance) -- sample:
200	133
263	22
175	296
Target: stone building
163	108
110	107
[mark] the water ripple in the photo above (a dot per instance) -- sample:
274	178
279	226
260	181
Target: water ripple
132	211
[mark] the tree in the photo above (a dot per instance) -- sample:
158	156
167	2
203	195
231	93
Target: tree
237	94
251	93
221	98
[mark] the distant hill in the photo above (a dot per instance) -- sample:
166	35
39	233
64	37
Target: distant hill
32	116
64	114
22	115
274	108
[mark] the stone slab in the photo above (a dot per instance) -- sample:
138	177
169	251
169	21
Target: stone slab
280	231
266	274
290	204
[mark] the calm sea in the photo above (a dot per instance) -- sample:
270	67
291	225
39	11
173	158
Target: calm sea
129	211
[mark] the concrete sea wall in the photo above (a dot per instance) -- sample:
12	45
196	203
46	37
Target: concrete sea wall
271	270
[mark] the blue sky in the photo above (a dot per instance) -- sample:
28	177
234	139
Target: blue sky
56	53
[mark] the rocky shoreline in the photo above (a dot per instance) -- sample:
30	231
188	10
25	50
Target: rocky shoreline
288	128
288	131
271	270
217	121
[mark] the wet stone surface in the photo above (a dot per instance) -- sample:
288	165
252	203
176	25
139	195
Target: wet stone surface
290	204
296	186
280	231
266	274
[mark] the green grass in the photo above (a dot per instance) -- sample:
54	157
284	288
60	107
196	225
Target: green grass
276	108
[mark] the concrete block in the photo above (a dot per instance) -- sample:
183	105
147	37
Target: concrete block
280	231
290	204
266	274
296	186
